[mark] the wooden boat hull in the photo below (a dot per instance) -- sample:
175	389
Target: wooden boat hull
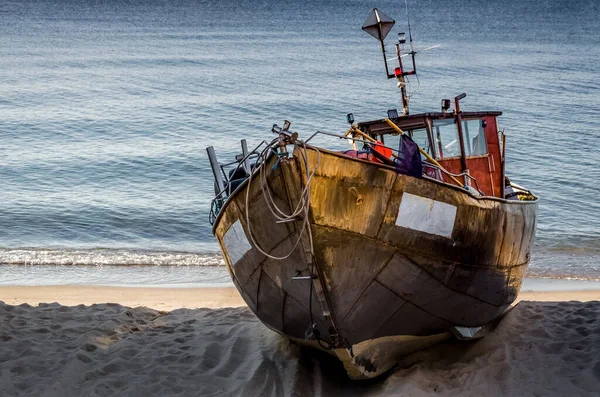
395	263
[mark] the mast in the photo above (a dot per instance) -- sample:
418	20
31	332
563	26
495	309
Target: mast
379	25
399	72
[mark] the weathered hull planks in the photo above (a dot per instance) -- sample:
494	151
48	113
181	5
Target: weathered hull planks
398	261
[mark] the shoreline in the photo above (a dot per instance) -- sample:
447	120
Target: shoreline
156	298
193	298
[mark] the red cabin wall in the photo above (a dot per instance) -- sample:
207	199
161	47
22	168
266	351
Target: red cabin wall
486	169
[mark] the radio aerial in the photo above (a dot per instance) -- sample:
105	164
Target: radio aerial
379	25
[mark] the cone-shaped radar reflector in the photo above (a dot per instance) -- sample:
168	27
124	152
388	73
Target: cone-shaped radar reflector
378	24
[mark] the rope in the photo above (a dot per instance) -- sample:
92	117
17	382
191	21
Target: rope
302	207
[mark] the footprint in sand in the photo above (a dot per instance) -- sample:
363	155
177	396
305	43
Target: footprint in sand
596	370
83	358
212	356
89	347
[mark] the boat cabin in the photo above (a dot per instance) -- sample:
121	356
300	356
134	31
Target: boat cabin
469	144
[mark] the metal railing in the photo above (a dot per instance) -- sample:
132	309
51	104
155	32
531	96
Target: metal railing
223	173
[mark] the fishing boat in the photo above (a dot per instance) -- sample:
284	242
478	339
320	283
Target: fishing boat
414	236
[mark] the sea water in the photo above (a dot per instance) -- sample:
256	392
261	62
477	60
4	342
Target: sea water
106	108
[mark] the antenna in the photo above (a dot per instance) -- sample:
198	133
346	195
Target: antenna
416	52
379	25
409	31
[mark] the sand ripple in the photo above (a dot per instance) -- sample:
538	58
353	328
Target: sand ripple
550	348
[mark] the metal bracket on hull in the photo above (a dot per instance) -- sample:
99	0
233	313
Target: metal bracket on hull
299	277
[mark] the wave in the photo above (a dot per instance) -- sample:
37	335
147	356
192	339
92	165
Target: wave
541	275
107	257
561	263
565	263
575	244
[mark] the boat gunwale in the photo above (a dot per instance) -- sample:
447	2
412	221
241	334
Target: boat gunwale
379	165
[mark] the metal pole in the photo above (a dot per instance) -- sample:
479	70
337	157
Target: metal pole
387	72
245	154
458	119
402	83
214	165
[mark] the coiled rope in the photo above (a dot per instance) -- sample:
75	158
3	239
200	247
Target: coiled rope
302	207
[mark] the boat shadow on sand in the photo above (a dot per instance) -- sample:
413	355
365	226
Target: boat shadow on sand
107	349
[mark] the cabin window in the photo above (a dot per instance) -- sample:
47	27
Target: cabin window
421	138
445	136
475	144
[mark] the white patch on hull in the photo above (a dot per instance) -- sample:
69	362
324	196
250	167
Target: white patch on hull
236	243
426	215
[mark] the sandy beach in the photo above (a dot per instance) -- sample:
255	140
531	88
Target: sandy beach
108	341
